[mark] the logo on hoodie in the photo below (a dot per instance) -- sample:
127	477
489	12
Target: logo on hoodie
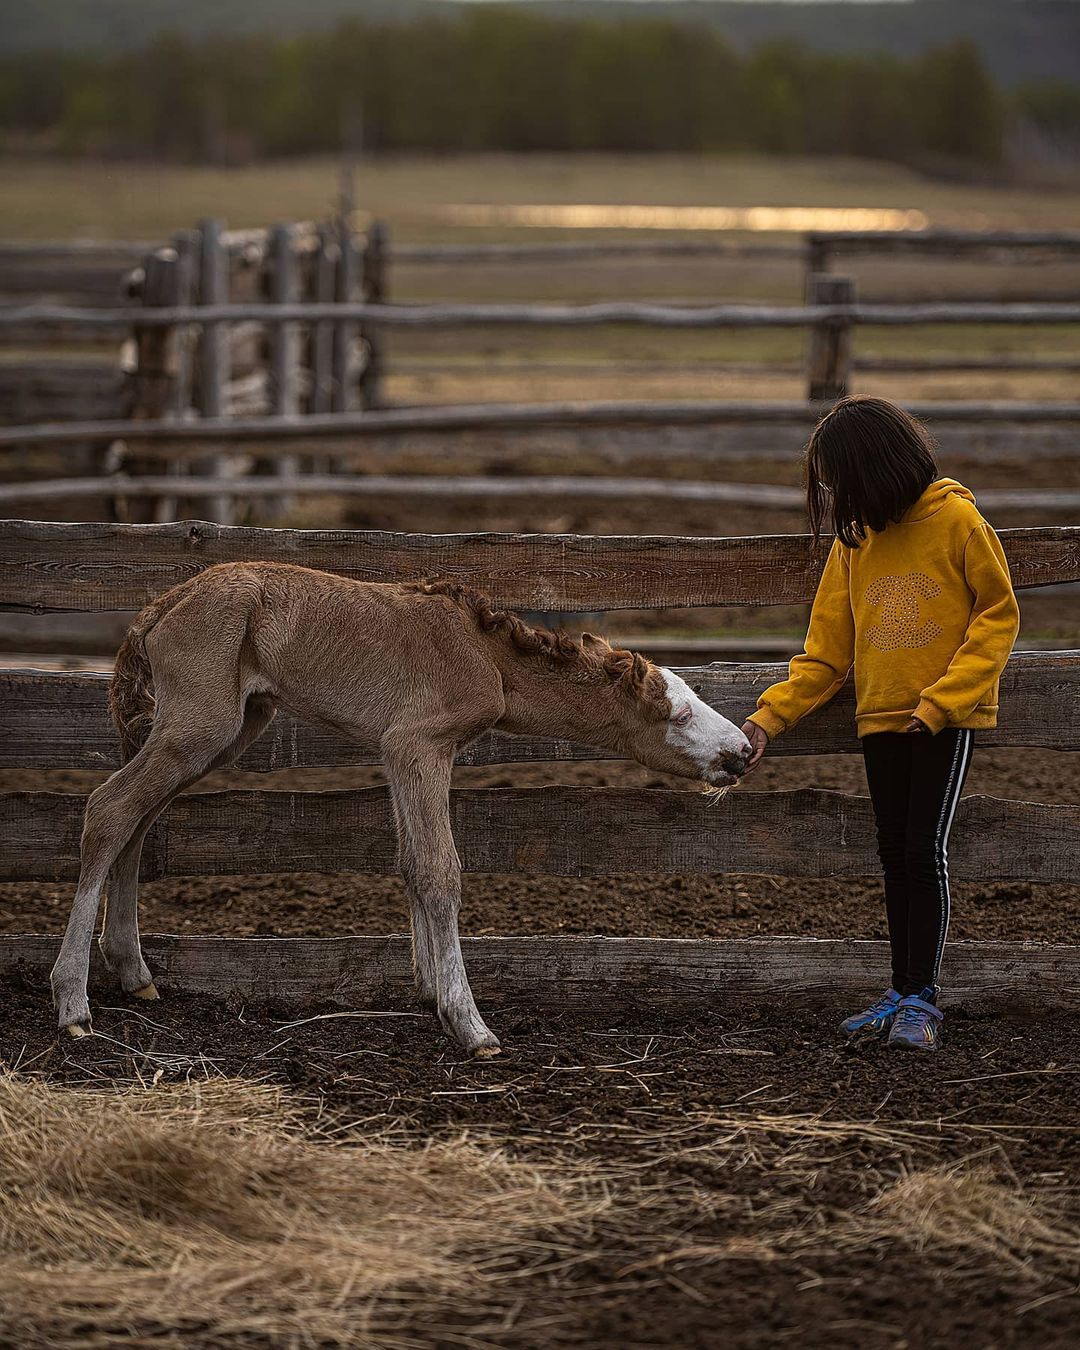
900	626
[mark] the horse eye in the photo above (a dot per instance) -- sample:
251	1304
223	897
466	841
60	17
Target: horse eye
681	718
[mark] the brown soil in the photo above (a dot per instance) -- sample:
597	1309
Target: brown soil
658	1098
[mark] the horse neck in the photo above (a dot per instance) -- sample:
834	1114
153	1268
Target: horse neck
557	702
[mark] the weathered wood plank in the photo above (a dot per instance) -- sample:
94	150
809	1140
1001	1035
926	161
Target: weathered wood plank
532	488
409	254
942	242
213	349
565	971
59	720
284	348
592	315
552	831
105	566
515	417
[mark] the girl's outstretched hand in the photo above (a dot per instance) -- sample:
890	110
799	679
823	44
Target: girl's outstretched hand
758	740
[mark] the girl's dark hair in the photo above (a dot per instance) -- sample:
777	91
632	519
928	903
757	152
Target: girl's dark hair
867	462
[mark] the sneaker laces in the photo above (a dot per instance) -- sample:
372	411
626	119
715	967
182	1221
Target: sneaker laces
909	1017
914	1014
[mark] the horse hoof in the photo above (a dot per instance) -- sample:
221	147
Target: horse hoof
487	1051
147	991
77	1029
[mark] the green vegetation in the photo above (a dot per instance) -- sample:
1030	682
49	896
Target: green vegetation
509	80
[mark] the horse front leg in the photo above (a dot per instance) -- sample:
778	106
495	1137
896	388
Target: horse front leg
420	782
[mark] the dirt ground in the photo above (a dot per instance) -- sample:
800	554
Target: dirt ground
826	1194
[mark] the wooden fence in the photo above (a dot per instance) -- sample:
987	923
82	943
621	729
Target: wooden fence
56	719
273	336
240	370
168	379
335	366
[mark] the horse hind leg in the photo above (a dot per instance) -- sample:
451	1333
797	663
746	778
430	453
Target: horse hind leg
171	759
114	813
429	863
119	942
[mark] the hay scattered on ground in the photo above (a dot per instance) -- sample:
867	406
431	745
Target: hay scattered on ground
967	1215
226	1213
211	1212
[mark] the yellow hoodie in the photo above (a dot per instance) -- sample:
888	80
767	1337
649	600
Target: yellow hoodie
923	610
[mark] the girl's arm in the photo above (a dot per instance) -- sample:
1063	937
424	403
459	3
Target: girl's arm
991	632
816	675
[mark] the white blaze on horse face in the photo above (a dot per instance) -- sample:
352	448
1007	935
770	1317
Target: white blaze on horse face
701	732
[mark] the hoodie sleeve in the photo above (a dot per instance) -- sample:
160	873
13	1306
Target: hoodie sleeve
991	632
815	675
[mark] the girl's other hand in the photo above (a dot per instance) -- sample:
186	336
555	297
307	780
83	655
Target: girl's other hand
758	740
917	727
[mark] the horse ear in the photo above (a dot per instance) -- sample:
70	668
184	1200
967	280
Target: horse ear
591	642
617	663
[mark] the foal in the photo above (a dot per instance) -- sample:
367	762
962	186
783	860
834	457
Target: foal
418	670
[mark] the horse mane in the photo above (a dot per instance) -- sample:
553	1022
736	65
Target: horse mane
593	657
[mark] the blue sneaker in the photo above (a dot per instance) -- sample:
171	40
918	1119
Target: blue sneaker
875	1020
917	1024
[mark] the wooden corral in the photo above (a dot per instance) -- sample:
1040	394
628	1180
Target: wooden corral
58	719
241	336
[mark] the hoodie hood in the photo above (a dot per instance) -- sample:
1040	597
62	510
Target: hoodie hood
936	496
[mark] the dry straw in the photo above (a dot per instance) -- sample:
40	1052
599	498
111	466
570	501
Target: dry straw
207	1214
217	1214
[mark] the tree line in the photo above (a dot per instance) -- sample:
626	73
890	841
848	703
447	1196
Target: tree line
493	79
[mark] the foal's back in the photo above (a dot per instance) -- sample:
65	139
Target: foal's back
326	647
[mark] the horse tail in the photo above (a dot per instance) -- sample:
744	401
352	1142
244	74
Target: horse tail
131	691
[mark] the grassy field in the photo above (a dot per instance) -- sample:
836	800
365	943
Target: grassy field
57	199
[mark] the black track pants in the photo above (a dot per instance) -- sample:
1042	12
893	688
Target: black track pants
915	782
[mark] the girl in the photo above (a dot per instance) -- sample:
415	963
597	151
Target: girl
916	597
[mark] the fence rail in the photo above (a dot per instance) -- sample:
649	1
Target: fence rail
551	831
54	567
509	417
580	972
548	315
60	720
530	488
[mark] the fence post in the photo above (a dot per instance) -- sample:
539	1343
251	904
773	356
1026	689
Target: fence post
284	344
344	332
186	245
829	348
213	348
156	364
818	255
155	367
323	280
183	345
375	289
